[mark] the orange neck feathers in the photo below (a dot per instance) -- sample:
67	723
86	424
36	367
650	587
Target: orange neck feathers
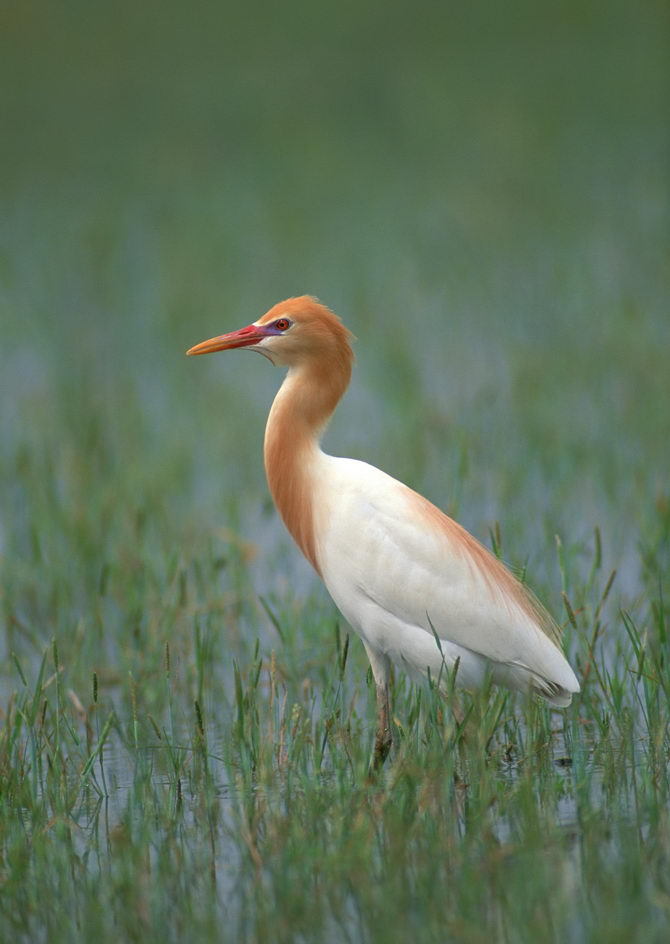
300	413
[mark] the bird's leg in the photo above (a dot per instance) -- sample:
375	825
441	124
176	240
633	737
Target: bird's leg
383	738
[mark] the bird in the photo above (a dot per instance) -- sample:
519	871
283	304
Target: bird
422	593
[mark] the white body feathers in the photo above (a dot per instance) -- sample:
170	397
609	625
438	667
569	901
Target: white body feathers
400	581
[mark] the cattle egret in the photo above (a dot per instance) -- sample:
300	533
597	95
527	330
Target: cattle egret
419	590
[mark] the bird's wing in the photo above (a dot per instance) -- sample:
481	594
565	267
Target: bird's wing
381	541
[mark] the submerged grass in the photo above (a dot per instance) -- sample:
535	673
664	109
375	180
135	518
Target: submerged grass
177	806
272	839
186	723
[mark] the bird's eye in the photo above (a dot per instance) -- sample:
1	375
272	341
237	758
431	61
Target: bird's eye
282	324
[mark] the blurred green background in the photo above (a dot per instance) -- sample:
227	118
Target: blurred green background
479	190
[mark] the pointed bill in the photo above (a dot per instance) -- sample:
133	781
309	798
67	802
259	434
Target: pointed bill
244	337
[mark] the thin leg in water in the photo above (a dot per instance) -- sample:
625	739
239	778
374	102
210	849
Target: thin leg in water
383	737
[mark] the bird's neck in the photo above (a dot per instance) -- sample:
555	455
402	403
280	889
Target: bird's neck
299	415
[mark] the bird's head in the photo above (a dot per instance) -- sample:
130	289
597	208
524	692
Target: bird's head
292	333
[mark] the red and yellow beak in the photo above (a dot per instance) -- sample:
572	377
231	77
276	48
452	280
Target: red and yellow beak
244	337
